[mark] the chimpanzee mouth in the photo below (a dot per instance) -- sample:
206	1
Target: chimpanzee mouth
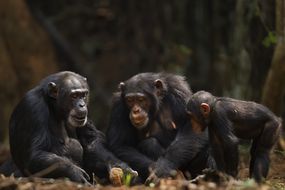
140	124
77	121
79	118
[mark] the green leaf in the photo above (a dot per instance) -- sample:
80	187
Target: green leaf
270	39
127	179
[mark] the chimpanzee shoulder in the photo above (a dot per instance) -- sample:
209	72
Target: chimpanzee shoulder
177	84
177	96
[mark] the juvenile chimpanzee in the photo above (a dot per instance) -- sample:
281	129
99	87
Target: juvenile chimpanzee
227	120
51	136
149	130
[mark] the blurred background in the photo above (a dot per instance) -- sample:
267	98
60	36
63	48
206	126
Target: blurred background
231	48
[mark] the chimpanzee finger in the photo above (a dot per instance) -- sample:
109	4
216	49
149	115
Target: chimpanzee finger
152	179
132	172
115	176
85	181
84	173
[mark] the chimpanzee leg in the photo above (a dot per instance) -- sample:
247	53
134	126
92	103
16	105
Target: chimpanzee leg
262	146
261	164
151	148
201	161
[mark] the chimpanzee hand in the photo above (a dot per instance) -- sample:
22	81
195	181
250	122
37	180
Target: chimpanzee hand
118	171
79	175
115	176
161	169
126	169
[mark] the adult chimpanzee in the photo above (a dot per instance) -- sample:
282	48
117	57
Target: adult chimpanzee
227	119
149	130
51	136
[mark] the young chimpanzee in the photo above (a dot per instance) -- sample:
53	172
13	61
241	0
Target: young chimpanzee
149	129
229	119
51	136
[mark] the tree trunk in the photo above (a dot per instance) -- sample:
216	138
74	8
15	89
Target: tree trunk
274	88
26	56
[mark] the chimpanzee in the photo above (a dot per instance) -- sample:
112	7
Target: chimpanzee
51	135
149	130
227	120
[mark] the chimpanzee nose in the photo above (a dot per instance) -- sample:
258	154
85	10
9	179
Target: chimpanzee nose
81	104
136	110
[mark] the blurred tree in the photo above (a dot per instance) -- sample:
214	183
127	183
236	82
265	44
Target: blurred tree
274	88
26	56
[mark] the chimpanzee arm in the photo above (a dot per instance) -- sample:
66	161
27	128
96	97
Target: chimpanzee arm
181	151
96	154
121	138
122	143
47	163
135	159
138	161
151	148
224	142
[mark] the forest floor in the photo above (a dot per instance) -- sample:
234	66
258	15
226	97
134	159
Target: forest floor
275	180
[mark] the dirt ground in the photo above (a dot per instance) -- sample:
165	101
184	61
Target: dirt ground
275	180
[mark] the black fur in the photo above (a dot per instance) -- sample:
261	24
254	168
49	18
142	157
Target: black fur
165	149
41	136
230	119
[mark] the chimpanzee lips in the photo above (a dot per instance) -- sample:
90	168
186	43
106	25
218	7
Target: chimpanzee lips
140	123
79	118
77	121
138	120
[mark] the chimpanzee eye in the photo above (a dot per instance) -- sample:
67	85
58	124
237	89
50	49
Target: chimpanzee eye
129	100
84	95
74	95
141	99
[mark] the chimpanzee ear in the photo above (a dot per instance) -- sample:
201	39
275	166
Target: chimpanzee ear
159	86
52	90
122	86
205	109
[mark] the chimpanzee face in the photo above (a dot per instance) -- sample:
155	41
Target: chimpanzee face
77	116
142	99
71	99
139	105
